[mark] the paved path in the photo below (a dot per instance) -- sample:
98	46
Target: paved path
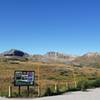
92	94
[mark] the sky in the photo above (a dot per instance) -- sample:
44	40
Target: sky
39	26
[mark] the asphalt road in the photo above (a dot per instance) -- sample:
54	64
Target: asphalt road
92	94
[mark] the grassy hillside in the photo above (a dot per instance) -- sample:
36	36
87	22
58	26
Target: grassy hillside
49	75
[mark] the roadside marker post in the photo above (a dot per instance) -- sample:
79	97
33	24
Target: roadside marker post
66	86
55	86
10	92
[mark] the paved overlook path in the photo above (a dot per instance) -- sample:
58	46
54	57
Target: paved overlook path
92	94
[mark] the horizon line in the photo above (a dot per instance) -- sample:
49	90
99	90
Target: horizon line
46	51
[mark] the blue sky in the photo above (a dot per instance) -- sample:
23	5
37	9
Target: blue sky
38	26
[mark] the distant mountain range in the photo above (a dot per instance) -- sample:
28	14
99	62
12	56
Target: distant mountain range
54	57
89	58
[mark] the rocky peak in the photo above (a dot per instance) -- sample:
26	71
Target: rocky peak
14	52
92	54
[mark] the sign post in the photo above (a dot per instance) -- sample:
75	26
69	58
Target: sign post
38	81
19	90
28	90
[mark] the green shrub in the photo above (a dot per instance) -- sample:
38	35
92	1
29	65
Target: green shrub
97	82
48	92
82	85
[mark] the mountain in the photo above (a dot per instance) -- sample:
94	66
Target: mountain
14	53
57	55
90	58
91	54
54	57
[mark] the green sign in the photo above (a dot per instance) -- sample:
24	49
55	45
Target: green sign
24	78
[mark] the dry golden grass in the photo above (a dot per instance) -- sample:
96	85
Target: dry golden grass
49	73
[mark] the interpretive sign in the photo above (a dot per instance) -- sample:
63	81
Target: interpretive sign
24	78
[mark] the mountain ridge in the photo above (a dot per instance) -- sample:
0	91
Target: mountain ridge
52	56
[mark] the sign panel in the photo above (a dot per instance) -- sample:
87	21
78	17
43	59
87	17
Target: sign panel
24	78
